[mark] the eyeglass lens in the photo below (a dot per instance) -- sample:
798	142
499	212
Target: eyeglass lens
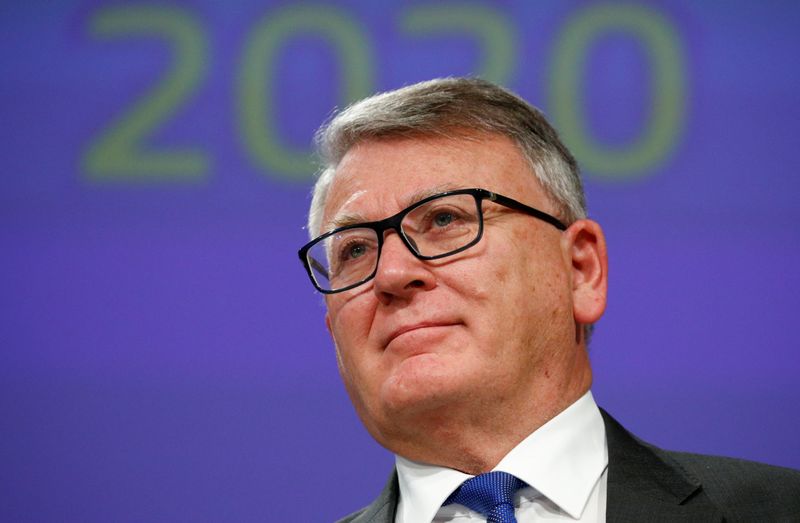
436	228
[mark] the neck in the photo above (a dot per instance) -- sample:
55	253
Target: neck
467	438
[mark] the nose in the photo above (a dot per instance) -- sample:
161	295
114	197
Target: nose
400	274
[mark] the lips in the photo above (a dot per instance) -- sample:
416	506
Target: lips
416	326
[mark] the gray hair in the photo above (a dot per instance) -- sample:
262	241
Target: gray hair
452	107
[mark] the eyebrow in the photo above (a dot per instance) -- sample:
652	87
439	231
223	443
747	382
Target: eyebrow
347	219
424	193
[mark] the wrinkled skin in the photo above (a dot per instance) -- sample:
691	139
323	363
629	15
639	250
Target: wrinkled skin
437	355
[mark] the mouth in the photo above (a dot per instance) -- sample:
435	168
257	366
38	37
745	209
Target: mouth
417	327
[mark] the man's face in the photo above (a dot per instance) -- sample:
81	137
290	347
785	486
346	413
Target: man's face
427	340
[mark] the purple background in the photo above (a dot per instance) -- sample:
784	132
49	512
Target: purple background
163	357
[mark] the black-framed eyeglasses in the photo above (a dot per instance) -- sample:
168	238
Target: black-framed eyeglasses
434	227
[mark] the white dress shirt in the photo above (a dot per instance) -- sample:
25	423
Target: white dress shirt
564	463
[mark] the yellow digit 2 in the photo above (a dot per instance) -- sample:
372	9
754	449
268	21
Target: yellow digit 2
663	48
119	152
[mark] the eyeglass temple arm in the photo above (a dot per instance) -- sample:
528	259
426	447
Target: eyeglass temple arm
514	204
317	266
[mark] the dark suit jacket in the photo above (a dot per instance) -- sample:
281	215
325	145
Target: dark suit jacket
651	485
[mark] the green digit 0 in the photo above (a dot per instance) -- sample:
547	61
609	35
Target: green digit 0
663	48
119	153
496	35
257	75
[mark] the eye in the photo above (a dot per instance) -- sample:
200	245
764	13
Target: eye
355	250
443	219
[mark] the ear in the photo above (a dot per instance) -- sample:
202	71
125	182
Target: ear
584	246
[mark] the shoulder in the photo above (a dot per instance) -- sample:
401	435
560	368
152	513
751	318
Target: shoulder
743	487
351	517
378	511
382	510
644	479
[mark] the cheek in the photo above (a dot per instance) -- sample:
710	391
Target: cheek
527	286
350	322
490	293
349	316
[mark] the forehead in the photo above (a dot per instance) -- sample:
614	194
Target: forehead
378	177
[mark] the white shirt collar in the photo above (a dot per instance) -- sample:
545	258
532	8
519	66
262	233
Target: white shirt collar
562	460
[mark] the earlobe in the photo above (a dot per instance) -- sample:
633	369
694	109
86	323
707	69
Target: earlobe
589	270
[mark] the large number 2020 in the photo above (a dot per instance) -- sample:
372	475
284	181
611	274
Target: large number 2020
120	152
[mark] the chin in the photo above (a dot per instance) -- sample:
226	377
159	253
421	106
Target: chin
420	384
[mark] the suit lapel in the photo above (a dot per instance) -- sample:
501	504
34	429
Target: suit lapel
645	484
383	509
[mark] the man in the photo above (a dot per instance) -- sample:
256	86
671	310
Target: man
462	279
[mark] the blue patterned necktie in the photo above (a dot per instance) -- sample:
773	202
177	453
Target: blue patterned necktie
491	494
